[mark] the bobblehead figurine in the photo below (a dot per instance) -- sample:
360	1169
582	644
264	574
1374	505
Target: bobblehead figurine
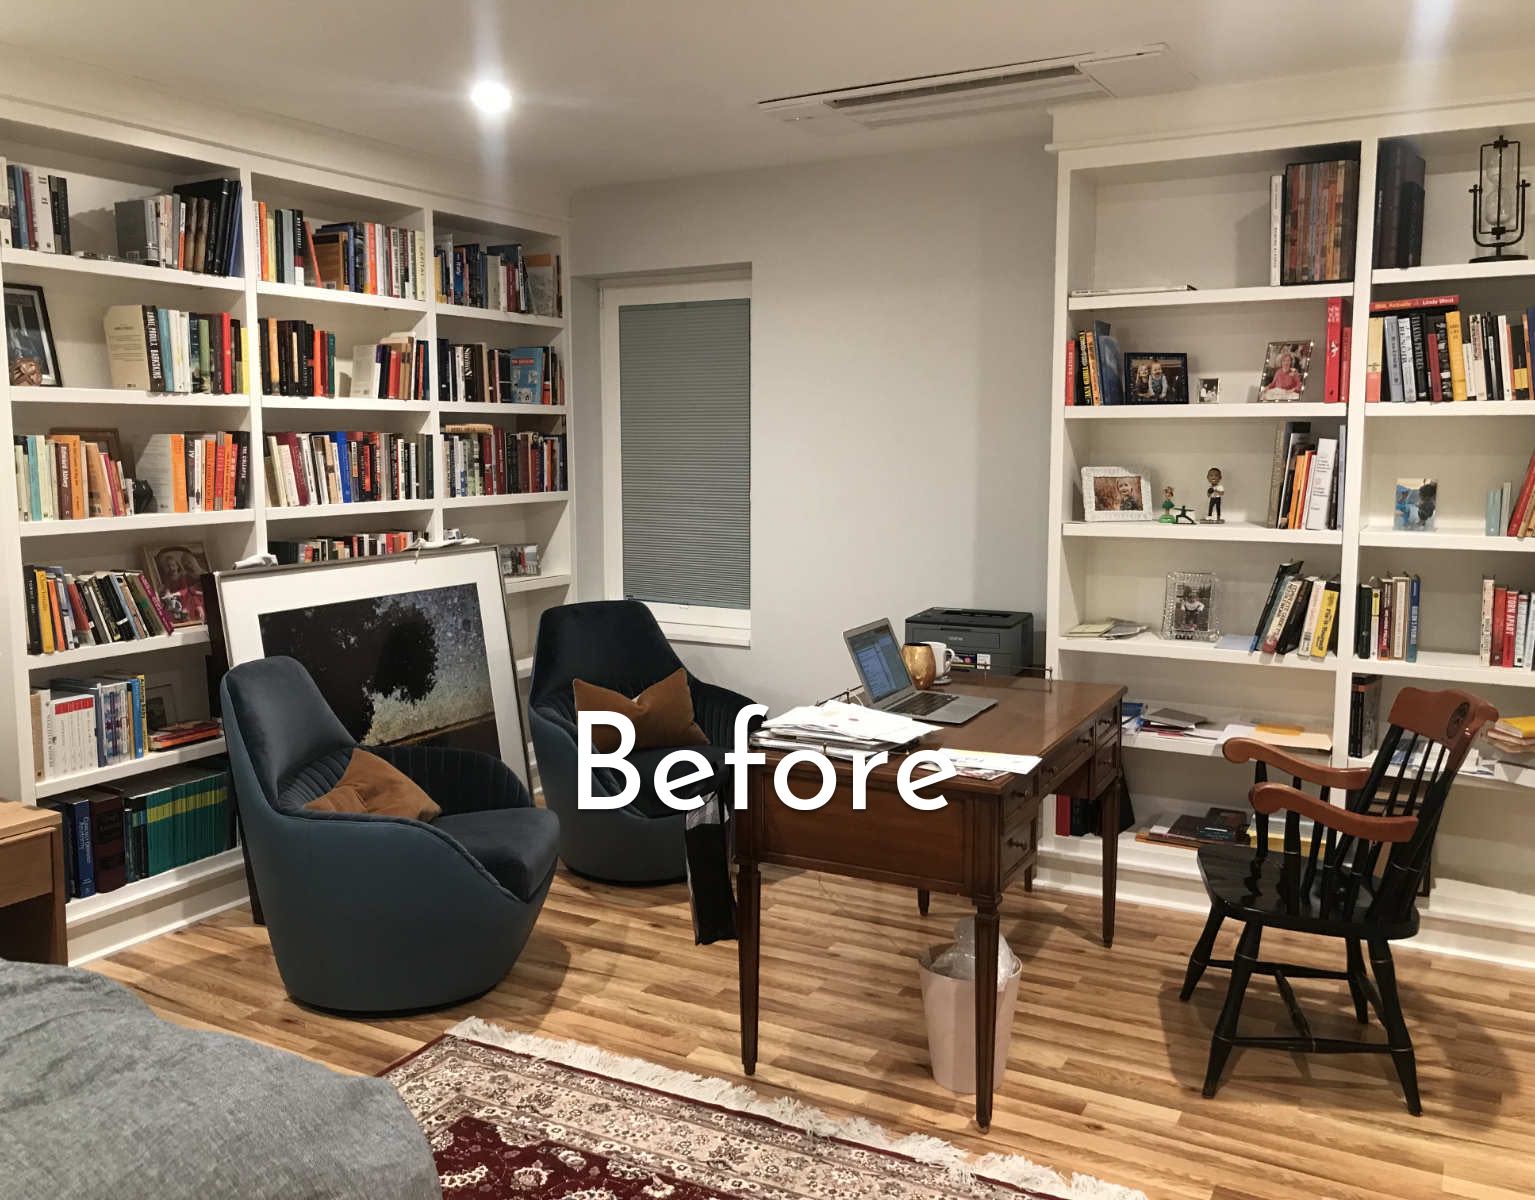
1216	493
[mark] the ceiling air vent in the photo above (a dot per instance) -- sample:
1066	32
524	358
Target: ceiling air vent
1007	88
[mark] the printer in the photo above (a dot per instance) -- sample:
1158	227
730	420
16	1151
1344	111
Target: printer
981	638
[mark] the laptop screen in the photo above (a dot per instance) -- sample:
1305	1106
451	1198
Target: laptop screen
877	655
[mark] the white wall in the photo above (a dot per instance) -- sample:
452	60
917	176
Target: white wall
901	333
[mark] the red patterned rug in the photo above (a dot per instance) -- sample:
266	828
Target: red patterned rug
512	1115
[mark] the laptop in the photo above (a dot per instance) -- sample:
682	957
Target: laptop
877	659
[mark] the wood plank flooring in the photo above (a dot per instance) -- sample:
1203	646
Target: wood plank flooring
1105	1065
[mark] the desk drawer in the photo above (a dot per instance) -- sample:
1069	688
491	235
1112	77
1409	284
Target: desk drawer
1106	766
1066	762
26	867
1106	727
1020	836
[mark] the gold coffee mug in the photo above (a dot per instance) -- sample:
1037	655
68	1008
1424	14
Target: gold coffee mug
918	657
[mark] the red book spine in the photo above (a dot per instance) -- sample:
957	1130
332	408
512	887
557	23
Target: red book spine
1431	354
1521	506
1348	347
1071	372
1331	393
1510	624
1063	816
226	344
1499	603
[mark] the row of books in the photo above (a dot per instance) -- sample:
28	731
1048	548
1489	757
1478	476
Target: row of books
1507	637
1509	513
156	349
396	368
96	608
345	546
197	472
296	358
1426	350
349	256
1399	175
1307	478
483	460
1364	715
481	374
347	467
38	210
1386	618
502	278
82	724
114	836
1094	370
1313	218
1300	615
193	227
64	476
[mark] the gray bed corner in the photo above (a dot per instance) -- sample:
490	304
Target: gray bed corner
101	1098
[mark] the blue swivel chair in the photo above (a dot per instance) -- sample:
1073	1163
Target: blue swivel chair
615	644
370	913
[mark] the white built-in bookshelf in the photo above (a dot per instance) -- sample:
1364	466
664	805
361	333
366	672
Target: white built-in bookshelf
106	162
1195	210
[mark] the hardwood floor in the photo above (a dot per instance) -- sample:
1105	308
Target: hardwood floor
1105	1066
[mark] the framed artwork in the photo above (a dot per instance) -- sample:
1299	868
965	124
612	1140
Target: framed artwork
1209	389
1115	494
1285	366
1156	378
1188	612
29	338
405	648
176	573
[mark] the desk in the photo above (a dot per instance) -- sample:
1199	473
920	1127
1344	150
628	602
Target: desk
31	885
985	837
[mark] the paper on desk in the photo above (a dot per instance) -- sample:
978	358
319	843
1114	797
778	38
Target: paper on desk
849	722
991	760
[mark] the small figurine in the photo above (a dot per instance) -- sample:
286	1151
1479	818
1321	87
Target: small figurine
1184	517
1216	493
1167	517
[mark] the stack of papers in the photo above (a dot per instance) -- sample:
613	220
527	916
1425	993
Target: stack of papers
838	725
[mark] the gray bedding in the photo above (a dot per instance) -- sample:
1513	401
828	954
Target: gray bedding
101	1098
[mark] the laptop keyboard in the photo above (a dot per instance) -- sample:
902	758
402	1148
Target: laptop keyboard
921	704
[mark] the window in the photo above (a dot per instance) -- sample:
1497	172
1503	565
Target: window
677	454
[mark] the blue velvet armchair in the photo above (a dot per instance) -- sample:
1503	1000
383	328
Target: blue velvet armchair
369	913
615	644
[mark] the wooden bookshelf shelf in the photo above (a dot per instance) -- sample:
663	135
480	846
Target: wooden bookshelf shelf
144	891
179	640
33	264
500	501
127	770
474	408
1151	645
1205	412
136	522
294	291
343	404
1209	298
469	312
536	583
1232	531
308	512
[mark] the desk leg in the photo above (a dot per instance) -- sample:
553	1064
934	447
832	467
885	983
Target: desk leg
923	898
986	936
1108	827
749	912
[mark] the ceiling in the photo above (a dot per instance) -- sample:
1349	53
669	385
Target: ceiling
612	91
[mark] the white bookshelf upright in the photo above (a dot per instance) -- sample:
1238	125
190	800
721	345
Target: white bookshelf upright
1195	209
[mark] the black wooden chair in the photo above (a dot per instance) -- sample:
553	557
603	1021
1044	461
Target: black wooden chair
1357	880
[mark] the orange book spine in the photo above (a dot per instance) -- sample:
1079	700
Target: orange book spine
231	466
179	479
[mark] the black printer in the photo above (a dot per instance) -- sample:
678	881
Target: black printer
981	638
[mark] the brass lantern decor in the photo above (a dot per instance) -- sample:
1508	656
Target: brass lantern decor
1497	201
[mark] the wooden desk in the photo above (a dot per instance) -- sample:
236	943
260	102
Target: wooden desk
31	885
985	837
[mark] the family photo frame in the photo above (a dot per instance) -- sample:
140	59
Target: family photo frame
32	359
1115	494
1156	378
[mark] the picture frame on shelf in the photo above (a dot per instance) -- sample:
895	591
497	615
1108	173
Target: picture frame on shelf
1156	378
1209	389
176	573
1285	368
1416	505
1189	608
1115	494
30	352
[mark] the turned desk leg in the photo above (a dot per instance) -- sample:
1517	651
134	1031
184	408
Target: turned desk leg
924	897
1109	830
749	913
986	937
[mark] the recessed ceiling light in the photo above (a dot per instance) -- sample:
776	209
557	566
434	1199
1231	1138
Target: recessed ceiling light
491	97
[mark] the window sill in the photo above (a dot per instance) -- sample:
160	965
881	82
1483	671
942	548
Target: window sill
705	635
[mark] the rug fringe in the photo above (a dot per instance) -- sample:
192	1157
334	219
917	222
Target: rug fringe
960	1165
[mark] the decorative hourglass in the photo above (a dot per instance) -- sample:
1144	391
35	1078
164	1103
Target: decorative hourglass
1497	201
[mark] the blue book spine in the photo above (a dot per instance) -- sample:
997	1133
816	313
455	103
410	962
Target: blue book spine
344	467
85	861
167	356
1412	619
36	473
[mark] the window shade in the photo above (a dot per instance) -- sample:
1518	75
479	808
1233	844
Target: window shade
685	401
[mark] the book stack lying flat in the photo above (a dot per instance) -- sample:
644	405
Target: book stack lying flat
37	208
1507	635
94	608
482	374
349	256
1386	618
333	548
1300	615
1426	350
66	477
483	460
1306	479
1112	629
167	350
304	469
1217	827
193	227
1513	737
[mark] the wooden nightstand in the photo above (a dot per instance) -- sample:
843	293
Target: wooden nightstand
31	885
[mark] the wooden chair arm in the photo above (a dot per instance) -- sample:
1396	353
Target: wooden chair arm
1350	779
1270	798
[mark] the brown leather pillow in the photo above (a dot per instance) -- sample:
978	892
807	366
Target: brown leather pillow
371	785
662	713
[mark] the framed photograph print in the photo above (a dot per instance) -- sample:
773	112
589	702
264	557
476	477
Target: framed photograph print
1115	494
1188	613
405	648
1157	378
176	573
1285	366
33	361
